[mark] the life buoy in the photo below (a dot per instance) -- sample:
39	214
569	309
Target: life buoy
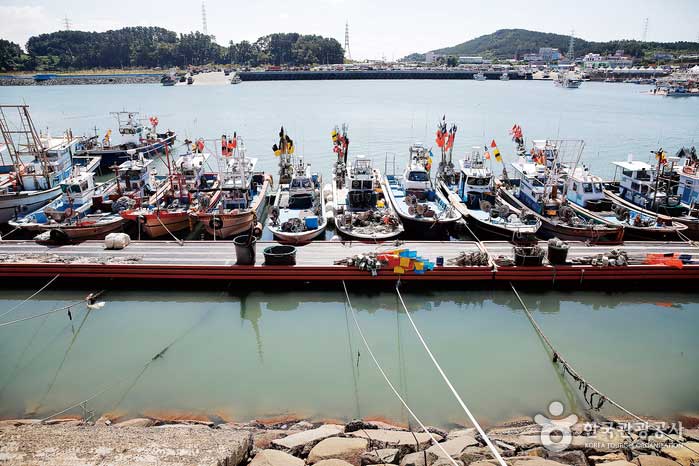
216	223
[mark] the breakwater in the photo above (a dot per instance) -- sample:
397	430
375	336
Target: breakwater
78	79
372	74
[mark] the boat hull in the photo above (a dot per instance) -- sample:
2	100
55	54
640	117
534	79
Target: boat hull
77	231
230	224
118	155
26	202
598	234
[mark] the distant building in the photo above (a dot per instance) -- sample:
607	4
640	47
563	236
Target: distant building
471	60
618	60
663	56
431	57
549	54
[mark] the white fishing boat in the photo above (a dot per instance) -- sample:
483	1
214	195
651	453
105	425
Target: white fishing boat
74	215
505	76
297	214
473	194
422	209
39	163
568	80
480	76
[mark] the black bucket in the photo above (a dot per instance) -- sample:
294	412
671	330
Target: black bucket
529	256
557	255
280	255
245	249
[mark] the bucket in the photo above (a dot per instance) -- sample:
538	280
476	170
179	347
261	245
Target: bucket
557	255
529	256
245	249
280	255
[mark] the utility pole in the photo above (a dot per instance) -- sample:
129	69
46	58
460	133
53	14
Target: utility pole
348	55
571	46
204	28
66	23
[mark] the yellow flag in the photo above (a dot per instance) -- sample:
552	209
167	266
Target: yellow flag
496	153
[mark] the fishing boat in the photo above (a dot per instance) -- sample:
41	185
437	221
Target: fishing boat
423	210
186	190
588	200
473	194
297	214
133	135
568	80
505	76
39	164
360	210
243	196
652	191
542	190
480	76
74	215
236	79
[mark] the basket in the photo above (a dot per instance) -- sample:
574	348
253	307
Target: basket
524	256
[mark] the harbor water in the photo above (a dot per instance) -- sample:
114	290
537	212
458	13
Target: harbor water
383	116
240	355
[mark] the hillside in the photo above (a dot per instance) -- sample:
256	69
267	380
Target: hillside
506	43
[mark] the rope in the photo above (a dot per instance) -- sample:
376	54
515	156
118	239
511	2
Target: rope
40	290
395	392
475	423
2	237
4	324
179	241
602	398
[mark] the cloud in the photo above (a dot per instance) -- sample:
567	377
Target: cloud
19	23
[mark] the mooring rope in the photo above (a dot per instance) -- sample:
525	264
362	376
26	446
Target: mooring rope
4	324
584	384
449	384
179	241
39	291
388	381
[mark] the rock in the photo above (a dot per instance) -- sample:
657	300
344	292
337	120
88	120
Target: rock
19	422
475	454
381	456
385	425
343	448
483	463
136	422
618	463
459	432
435	430
573	457
333	462
681	454
653	460
296	443
275	458
405	441
691	434
538	451
415	459
302	425
447	462
521	442
136	446
453	447
358	424
608	458
69	421
534	461
263	439
606	442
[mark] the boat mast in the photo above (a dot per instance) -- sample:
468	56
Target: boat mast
28	141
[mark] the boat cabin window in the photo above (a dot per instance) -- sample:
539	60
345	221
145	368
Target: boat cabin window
301	183
587	187
598	187
635	186
643	175
626	172
418	176
133	175
74	188
478	181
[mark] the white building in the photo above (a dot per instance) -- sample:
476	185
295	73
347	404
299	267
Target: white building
431	57
471	60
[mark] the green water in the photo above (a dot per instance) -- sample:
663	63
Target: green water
244	355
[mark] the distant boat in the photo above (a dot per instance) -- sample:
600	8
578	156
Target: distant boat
236	80
168	81
479	76
568	80
505	76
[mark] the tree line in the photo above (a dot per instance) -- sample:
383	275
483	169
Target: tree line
149	47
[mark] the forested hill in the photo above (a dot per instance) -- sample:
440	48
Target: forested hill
154	46
507	43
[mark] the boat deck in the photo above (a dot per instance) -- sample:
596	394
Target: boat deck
215	260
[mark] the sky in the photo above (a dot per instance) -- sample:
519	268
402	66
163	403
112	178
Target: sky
378	28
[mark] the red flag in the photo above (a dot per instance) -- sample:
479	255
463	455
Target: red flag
492	144
487	155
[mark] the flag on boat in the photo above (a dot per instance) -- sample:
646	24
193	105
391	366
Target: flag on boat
493	144
487	154
496	153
